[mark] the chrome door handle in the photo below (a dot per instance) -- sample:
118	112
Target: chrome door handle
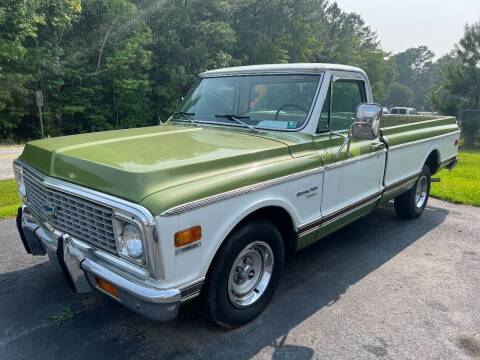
377	145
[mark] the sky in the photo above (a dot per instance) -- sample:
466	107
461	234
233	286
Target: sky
402	24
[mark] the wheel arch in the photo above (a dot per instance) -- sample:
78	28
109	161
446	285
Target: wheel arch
278	213
433	160
279	217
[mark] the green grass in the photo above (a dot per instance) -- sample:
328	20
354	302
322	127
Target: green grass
9	199
462	184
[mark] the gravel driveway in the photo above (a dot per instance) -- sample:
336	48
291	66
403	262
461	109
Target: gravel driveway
7	155
379	289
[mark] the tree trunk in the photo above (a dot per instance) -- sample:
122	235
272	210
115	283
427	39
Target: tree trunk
101	50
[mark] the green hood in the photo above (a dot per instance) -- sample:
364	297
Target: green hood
135	163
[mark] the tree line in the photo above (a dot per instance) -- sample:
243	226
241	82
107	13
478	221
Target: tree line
107	64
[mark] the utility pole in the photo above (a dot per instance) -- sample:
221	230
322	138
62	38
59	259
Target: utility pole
39	99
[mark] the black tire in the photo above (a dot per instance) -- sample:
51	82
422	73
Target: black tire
406	205
215	300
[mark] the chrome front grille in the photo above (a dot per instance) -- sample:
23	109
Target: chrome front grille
80	218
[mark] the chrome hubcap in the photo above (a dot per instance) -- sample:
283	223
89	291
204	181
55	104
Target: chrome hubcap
421	193
250	274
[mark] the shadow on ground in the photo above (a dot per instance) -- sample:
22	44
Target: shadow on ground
313	279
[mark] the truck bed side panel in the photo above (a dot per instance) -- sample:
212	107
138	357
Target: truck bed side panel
409	146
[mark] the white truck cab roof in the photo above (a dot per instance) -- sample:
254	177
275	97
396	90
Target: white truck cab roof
281	68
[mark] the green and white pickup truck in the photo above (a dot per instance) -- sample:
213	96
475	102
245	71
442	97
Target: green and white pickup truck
256	162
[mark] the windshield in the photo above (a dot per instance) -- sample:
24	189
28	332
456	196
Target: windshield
265	101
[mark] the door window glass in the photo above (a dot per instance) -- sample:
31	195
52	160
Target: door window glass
346	96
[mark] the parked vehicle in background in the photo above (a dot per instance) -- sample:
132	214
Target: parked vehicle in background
403	111
257	162
386	111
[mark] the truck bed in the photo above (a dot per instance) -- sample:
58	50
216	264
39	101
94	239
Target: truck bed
413	141
400	129
393	120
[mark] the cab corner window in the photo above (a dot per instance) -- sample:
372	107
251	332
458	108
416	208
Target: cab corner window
345	96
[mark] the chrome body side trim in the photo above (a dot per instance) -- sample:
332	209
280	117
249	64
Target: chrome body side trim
191	290
263	185
401	184
238	192
411	143
330	218
369	201
141	214
354	159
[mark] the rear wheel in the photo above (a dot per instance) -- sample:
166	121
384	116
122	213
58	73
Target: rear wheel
244	274
411	204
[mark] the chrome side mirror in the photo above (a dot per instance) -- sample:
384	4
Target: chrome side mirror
367	122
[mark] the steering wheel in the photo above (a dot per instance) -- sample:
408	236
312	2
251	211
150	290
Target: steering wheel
289	106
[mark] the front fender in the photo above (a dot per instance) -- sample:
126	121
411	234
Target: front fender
218	219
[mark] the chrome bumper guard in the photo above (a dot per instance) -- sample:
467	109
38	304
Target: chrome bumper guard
81	271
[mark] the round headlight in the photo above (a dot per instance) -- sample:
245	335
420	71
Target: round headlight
131	242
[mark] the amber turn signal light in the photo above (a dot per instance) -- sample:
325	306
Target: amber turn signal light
107	287
188	236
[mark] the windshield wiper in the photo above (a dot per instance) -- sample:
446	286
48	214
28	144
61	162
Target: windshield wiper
238	120
186	115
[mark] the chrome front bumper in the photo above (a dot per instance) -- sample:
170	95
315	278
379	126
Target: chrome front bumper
82	270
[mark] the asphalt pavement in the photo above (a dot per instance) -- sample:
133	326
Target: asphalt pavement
7	155
379	289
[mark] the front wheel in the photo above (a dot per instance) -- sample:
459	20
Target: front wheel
243	275
411	204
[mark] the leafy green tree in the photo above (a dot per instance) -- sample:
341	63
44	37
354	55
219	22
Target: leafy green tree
399	95
459	88
415	69
451	72
109	85
189	37
348	40
90	59
19	22
106	64
469	52
44	60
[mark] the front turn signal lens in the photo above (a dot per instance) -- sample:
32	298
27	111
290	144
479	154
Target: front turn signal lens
107	287
188	236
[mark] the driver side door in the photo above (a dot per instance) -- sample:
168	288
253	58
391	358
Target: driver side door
353	179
